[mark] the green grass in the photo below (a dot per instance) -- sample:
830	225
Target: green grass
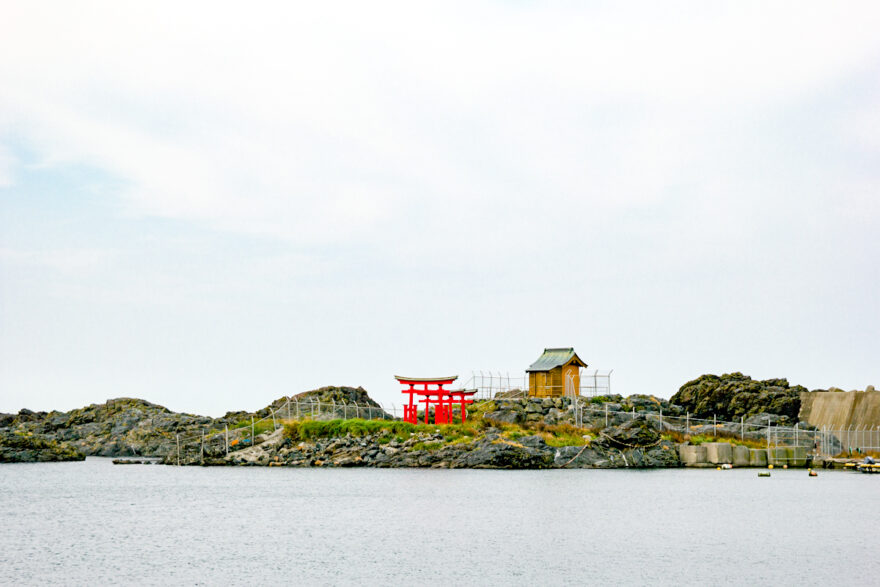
259	427
721	437
311	429
565	440
473	429
429	446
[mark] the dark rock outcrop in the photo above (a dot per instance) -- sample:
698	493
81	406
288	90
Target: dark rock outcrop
632	434
733	395
27	448
134	427
491	450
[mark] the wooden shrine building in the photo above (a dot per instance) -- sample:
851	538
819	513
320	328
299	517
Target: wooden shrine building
556	373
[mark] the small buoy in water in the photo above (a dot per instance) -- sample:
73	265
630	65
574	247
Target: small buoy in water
784	466
717	468
813	473
769	466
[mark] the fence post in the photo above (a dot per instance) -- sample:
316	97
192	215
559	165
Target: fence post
274	427
606	415
288	408
796	442
714	426
634	412
253	438
742	427
226	426
661	419
178	449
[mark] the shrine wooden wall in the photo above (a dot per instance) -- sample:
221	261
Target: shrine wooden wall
552	383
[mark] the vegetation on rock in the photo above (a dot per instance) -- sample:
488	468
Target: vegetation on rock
734	395
25	448
508	432
481	442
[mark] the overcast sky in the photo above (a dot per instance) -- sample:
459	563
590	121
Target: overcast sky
211	205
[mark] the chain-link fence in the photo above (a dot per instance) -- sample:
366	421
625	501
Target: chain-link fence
763	431
766	431
495	384
244	434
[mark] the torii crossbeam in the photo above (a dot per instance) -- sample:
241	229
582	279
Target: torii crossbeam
442	399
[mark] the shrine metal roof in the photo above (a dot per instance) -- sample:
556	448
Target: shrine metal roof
553	358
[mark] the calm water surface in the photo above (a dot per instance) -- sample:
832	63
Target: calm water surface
96	523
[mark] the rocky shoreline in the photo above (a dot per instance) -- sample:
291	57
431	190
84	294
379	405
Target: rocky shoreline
124	427
503	433
634	444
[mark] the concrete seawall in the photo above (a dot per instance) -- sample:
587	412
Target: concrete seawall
840	410
712	454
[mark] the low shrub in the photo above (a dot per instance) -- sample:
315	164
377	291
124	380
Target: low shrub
311	429
428	446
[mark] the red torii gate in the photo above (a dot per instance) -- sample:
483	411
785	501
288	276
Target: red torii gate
441	399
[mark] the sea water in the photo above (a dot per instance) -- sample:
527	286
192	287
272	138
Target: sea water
93	522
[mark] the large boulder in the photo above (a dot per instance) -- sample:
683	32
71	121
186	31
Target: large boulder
733	395
631	434
495	452
506	415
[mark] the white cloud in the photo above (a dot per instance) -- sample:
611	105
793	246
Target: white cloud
671	169
7	162
67	261
319	124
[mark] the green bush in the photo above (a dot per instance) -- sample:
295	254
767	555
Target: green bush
311	429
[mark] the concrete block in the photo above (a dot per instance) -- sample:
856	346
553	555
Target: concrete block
797	456
777	456
719	453
757	457
692	455
741	456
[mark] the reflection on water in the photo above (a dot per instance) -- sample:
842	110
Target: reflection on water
94	523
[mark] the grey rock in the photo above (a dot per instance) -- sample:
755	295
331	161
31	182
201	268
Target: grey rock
504	416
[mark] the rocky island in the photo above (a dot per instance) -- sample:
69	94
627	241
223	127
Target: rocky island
603	432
